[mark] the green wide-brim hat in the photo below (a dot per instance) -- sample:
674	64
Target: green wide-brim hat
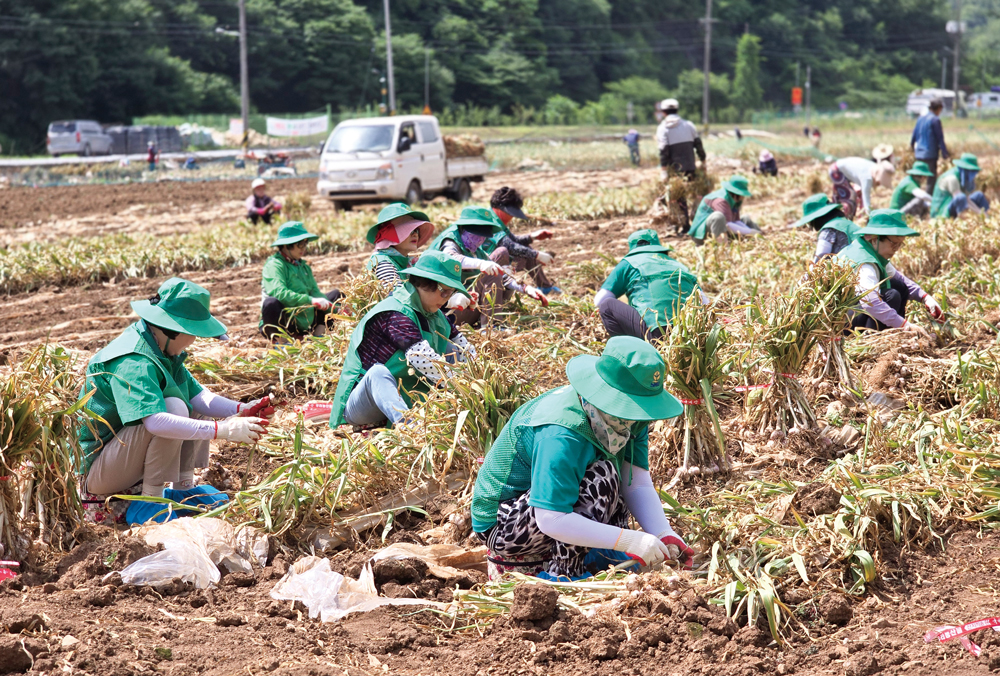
968	161
646	235
626	381
890	222
439	267
920	169
292	232
181	306
479	216
738	185
391	213
815	207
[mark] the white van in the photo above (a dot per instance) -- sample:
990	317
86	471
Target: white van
383	159
984	102
83	137
918	101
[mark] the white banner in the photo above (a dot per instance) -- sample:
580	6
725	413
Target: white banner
309	126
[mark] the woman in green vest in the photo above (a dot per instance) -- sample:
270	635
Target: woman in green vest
835	231
908	196
401	346
399	232
884	289
656	285
719	213
463	240
556	491
955	190
292	301
156	420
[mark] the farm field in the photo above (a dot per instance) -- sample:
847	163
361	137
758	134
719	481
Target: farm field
830	540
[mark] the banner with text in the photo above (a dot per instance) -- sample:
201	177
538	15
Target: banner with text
308	126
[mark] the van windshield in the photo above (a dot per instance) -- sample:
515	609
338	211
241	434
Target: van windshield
373	138
62	127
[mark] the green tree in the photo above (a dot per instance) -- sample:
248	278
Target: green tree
747	91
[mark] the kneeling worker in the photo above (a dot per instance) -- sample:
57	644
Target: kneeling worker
955	190
719	213
908	196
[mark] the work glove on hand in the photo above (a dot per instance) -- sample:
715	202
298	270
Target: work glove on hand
678	551
258	408
933	307
544	258
490	268
537	294
459	301
643	547
541	234
241	430
321	303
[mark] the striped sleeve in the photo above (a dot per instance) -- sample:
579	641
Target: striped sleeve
387	273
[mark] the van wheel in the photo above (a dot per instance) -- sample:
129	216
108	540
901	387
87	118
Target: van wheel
413	193
339	205
464	191
86	151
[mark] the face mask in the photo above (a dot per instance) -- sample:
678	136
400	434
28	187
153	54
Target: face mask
471	241
967	179
611	432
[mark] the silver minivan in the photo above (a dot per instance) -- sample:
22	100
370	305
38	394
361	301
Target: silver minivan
82	137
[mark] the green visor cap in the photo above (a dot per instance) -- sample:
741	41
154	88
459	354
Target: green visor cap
626	381
182	307
967	161
738	185
815	207
479	216
292	232
887	222
920	168
439	267
391	213
651	239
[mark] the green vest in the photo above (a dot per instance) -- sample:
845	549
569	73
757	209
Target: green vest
297	279
404	299
401	261
941	199
860	252
843	225
665	286
704	211
452	233
903	193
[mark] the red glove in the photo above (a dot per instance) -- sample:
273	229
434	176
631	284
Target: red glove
685	556
541	234
260	408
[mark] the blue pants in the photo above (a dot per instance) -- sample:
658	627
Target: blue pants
375	399
960	202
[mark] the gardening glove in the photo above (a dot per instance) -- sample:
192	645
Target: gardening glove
544	258
459	301
537	294
541	234
933	307
679	551
258	408
241	430
321	303
488	267
643	547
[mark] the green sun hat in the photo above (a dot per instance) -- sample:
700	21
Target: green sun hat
920	168
738	185
967	161
292	232
887	222
440	267
391	213
479	216
182	307
814	207
626	381
652	239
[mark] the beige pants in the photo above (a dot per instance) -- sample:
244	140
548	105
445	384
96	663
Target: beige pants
135	454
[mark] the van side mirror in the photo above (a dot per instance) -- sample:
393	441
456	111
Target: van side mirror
404	144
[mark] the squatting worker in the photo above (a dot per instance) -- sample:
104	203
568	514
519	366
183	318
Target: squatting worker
156	419
463	241
908	196
955	191
291	300
718	214
507	204
401	346
260	207
886	290
678	141
834	231
397	235
927	141
849	172
572	465
657	287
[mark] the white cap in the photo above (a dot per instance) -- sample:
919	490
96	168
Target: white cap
669	103
257	182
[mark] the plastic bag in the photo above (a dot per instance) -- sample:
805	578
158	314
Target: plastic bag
193	550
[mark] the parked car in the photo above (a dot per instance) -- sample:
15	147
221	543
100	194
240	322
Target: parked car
918	100
984	102
83	137
381	159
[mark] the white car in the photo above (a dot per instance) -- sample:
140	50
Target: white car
984	102
383	159
82	137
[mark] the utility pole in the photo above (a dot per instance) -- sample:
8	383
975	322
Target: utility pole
958	43
244	78
808	92
708	63
388	59
944	71
427	81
